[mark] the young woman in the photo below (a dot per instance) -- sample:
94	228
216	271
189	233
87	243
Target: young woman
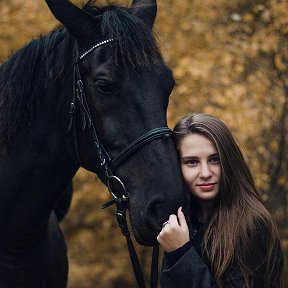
227	237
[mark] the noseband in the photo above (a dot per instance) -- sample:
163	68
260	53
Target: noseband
110	165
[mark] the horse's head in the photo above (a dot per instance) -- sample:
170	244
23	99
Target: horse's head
127	86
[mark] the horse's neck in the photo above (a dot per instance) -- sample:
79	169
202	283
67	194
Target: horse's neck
32	182
37	155
35	170
36	166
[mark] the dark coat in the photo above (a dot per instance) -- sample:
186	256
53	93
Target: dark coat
189	271
187	267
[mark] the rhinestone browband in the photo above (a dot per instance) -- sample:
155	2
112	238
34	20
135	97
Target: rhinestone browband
94	47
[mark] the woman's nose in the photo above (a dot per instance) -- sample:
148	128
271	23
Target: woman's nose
205	171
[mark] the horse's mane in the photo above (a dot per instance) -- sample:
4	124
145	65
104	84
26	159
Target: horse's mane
24	77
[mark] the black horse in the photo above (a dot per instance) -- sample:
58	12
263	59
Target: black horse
127	87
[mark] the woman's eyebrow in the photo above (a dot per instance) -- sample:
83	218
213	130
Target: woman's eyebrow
214	155
189	157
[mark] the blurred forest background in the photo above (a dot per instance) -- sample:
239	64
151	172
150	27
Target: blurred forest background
230	59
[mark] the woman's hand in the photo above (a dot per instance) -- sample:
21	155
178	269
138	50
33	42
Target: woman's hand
175	232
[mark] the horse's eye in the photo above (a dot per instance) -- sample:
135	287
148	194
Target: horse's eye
103	86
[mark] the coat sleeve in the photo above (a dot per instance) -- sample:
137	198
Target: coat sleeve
189	271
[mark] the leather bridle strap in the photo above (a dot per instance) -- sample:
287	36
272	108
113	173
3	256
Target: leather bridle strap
138	143
154	267
122	206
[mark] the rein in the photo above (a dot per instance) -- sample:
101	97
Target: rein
110	165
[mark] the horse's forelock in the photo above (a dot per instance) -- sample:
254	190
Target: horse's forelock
136	46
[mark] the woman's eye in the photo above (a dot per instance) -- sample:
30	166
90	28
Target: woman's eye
190	162
103	86
215	160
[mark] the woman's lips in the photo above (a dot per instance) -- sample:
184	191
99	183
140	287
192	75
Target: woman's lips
207	186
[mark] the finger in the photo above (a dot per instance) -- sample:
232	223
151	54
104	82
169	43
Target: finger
164	226
181	218
173	220
159	238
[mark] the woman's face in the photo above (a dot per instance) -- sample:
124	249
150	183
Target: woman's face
200	165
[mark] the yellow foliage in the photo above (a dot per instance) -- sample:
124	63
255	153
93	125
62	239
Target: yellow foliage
278	61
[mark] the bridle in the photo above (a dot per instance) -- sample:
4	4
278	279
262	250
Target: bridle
110	165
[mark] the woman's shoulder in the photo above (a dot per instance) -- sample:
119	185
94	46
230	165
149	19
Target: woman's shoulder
263	238
261	228
263	231
268	252
259	235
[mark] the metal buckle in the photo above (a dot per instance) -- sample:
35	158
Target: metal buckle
116	187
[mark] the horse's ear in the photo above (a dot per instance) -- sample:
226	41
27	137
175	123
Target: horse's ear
146	10
73	18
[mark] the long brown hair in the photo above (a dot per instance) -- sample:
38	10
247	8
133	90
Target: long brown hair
239	213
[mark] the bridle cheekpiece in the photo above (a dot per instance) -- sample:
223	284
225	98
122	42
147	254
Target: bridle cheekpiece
109	164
